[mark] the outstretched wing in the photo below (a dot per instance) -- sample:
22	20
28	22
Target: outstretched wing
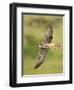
43	51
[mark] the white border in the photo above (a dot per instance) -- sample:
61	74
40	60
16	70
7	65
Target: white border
51	77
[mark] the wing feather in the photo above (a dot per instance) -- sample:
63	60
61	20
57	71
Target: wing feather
43	51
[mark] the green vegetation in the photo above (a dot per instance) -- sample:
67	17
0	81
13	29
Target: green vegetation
34	29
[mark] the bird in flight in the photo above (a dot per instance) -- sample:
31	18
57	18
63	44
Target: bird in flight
44	46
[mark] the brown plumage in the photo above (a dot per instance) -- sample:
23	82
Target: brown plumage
43	51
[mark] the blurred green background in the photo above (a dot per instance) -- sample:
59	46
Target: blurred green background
34	29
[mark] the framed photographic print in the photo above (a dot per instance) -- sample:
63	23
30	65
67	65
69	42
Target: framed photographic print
40	44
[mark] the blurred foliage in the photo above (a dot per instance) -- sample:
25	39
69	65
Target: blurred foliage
34	29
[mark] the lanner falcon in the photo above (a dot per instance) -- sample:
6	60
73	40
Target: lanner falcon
47	43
